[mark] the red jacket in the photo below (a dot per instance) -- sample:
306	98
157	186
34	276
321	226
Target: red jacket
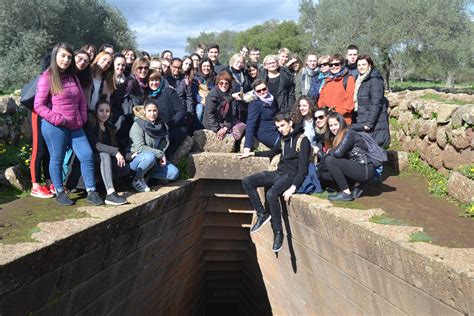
67	109
333	95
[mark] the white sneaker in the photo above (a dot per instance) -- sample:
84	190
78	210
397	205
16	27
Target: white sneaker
140	185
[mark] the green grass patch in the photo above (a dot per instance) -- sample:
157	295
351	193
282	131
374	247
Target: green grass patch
386	220
441	98
183	169
394	124
468	211
411	85
467	171
420	237
437	182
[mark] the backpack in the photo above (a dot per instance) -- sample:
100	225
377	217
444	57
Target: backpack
28	92
374	152
311	182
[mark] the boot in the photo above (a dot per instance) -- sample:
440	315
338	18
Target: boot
277	240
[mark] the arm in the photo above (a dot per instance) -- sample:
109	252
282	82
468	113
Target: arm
348	104
345	145
376	102
210	118
42	98
138	140
252	118
270	153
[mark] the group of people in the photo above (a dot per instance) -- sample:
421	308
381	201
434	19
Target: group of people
123	114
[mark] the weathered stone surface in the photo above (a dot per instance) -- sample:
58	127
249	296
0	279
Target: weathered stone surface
394	112
433	156
8	105
12	176
206	140
445	111
183	150
225	166
441	137
406	120
460	138
433	129
398	160
461	187
452	159
423	147
422	127
425	109
257	146
463	114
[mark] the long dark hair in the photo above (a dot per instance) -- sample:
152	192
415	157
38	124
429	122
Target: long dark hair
109	127
55	73
84	76
297	117
334	140
212	74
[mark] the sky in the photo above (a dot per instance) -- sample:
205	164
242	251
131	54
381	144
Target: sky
165	24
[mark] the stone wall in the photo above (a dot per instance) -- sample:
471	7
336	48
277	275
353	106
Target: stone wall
13	122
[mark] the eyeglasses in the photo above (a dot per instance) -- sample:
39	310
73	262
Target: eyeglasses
223	83
261	90
271	62
321	117
335	65
140	68
323	64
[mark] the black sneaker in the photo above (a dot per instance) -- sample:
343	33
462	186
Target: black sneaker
63	199
115	199
94	198
262	219
277	241
341	196
357	192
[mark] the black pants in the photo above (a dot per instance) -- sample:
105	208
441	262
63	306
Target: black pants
39	150
277	183
342	170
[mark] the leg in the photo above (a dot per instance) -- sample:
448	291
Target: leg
82	149
106	171
238	130
168	172
251	183
57	139
282	183
142	163
199	112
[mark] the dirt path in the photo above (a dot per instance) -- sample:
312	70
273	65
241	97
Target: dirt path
406	197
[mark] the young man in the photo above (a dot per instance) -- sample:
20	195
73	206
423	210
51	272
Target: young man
309	72
283	56
200	50
177	80
288	177
351	60
213	54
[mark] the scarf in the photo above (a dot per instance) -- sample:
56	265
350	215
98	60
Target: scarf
142	82
158	91
238	76
268	99
157	131
322	78
306	77
359	81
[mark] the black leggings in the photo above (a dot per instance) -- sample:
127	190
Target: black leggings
277	183
341	170
39	151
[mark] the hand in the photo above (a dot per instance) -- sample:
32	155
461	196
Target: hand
237	96
366	128
163	161
288	193
120	160
221	133
245	155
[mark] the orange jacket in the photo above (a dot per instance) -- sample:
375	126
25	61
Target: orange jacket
333	95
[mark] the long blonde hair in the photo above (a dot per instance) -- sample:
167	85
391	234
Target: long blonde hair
108	75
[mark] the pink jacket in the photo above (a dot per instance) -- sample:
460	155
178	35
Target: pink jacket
67	109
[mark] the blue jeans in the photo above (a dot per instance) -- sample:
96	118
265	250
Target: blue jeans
146	162
58	139
199	112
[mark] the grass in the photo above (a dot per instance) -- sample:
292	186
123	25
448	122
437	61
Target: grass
420	237
467	171
437	182
350	204
441	98
417	85
386	220
183	169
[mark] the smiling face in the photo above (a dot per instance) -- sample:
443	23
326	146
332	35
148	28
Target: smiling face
119	65
334	125
238	63
362	66
175	68
312	62
304	107
261	90
151	112
105	62
213	54
223	85
206	68
63	59
103	112
271	65
82	61
320	118
195	61
324	66
335	66
255	56
130	57
142	71
283	58
187	64
284	127
168	55
154	83
253	72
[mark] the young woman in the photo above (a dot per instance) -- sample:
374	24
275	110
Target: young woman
108	158
317	82
149	141
240	85
346	161
280	82
130	57
303	113
204	82
61	103
90	49
321	126
196	60
218	115
260	122
120	65
295	65
102	78
252	71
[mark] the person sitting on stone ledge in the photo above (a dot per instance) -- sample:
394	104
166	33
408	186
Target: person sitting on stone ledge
284	181
218	110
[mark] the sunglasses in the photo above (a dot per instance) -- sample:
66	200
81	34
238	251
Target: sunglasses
323	64
143	68
321	117
223	83
335	65
261	90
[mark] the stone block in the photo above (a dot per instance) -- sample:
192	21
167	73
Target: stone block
422	127
398	160
182	151
459	138
395	111
445	111
12	176
8	105
433	129
462	114
257	145
206	140
461	188
434	156
452	159
441	137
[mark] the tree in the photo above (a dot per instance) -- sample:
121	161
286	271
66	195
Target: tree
225	40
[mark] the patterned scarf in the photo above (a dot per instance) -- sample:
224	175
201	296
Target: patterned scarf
359	81
306	77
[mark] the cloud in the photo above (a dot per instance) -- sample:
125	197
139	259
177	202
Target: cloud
166	24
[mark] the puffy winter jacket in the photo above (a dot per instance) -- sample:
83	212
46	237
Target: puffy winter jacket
67	109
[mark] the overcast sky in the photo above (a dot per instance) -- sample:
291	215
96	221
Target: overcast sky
165	24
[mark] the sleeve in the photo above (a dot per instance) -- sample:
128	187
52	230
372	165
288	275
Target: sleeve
82	102
376	101
345	145
291	94
179	108
97	146
138	139
210	118
303	162
270	153
348	104
42	97
252	119
189	98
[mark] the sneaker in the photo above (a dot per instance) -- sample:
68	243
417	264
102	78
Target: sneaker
41	192
357	192
262	219
341	196
115	199
140	185
63	199
277	241
94	198
52	189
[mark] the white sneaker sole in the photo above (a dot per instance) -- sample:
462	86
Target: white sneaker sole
42	196
114	203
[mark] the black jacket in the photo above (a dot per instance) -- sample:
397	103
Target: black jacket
183	90
372	109
218	110
286	91
172	110
352	147
292	162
